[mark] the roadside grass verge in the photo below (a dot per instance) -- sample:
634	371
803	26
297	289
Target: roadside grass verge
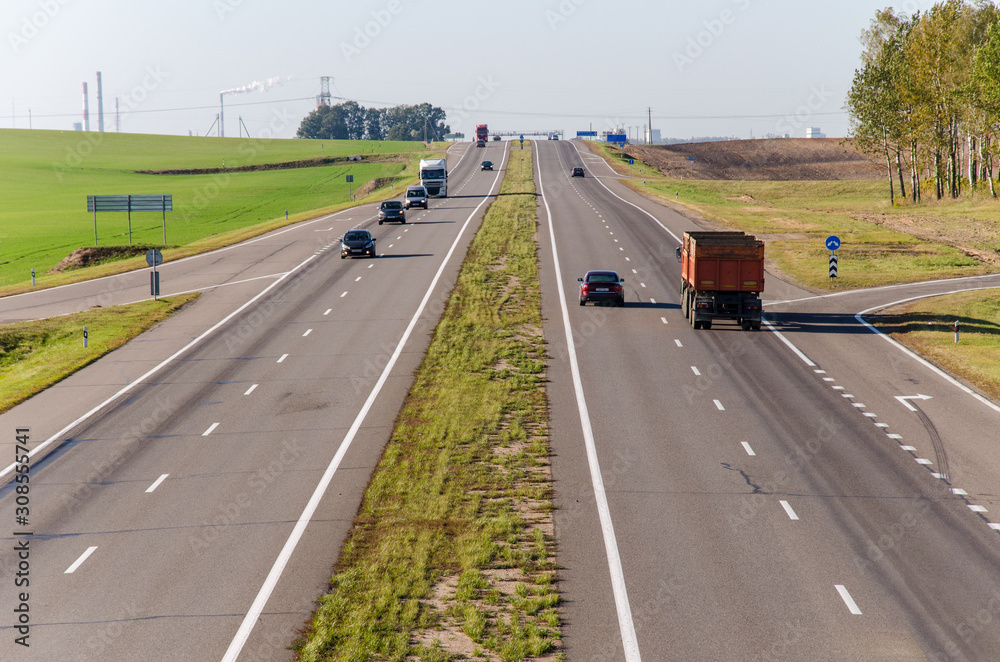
927	327
47	175
35	355
795	217
451	555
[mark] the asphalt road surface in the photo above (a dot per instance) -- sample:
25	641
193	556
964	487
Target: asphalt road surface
199	482
806	492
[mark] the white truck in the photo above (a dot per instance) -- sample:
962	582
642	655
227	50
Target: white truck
434	177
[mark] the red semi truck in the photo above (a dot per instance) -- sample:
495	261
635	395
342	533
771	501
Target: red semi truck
482	133
722	277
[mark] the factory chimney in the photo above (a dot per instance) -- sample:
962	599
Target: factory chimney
100	104
86	109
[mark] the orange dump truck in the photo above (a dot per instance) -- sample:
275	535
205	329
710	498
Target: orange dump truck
722	277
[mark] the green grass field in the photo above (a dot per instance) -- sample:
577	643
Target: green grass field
47	175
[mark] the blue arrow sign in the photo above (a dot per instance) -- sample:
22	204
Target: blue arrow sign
833	242
631	161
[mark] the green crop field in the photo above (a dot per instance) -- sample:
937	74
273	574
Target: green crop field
46	177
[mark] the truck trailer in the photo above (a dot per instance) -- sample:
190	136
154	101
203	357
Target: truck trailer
722	277
434	177
482	133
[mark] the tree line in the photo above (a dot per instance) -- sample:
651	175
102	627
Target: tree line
927	97
352	121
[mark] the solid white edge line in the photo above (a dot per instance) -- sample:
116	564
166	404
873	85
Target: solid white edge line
253	614
156	483
848	600
927	364
788	510
798	352
625	624
158	367
76	564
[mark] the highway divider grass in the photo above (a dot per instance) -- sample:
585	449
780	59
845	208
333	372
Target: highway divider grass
451	555
927	327
35	355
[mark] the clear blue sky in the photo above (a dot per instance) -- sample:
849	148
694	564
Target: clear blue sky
718	67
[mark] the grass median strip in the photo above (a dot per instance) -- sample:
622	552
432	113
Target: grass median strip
35	355
451	555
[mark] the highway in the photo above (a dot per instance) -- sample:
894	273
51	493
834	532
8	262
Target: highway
806	492
200	480
774	495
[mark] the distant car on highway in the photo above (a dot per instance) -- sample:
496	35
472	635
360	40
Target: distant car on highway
577	172
416	196
480	143
602	286
391	210
486	165
357	242
496	138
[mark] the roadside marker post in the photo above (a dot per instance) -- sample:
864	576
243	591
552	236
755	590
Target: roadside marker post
833	243
833	265
154	258
32	276
956	332
85	337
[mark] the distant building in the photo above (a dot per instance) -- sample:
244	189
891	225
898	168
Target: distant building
814	132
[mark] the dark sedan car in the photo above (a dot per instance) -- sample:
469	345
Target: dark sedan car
486	165
577	172
602	286
391	210
357	242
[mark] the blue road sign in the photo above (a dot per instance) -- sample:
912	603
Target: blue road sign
691	159
588	134
833	242
522	137
617	138
631	161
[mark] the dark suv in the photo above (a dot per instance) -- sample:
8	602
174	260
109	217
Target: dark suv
602	286
391	210
577	172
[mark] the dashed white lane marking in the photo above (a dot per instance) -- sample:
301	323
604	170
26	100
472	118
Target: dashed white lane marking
847	395
871	415
642	284
357	279
328	311
343	295
788	509
283	357
978	509
678	343
838	388
250	390
664	320
923	460
628	259
634	271
83	557
881	425
653	301
829	379
909	448
209	430
156	483
848	600
370	266
391	245
719	405
820	372
859	405
894	436
746	447
308	331
695	371
959	491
